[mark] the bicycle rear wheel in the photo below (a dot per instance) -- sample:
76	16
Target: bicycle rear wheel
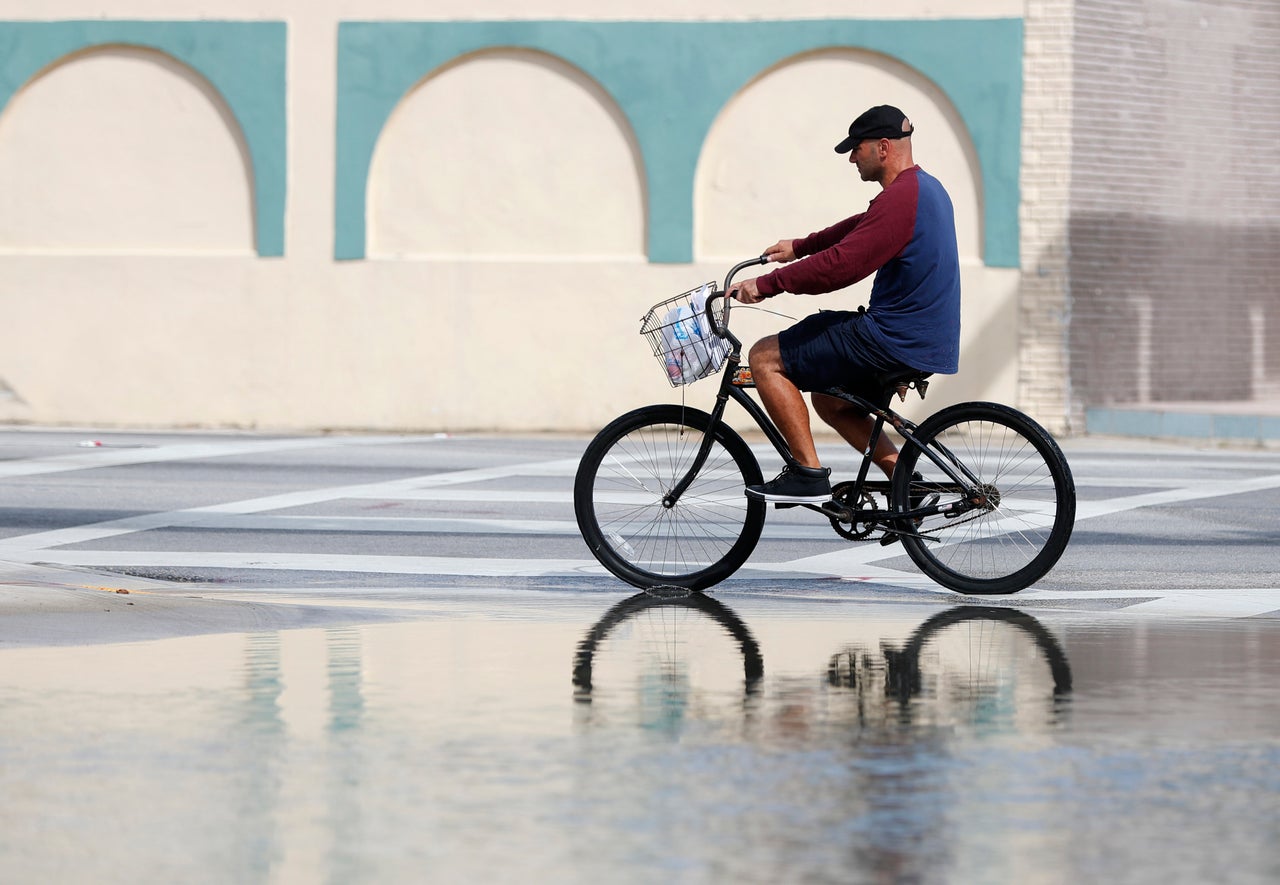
1008	529
624	474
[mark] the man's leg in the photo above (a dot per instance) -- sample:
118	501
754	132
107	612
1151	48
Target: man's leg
856	426
783	400
807	482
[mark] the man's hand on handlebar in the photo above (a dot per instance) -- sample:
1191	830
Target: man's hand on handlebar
746	292
782	251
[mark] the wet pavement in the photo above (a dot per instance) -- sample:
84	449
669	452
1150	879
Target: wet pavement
200	681
653	739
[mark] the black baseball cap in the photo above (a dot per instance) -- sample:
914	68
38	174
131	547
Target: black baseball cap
882	121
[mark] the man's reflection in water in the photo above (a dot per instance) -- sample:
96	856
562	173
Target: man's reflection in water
974	665
962	675
676	655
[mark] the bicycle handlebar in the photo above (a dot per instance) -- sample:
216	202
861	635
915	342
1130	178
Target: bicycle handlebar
722	330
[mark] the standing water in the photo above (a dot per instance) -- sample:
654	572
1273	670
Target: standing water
662	737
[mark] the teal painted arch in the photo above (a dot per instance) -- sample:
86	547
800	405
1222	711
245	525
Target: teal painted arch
244	61
671	80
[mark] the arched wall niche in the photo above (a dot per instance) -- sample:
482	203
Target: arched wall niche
243	63
506	152
123	148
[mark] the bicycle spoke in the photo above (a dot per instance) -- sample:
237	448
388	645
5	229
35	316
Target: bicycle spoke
638	466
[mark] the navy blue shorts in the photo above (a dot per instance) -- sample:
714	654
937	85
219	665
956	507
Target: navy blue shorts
830	349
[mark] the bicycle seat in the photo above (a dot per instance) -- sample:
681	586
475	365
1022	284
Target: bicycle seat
900	382
881	387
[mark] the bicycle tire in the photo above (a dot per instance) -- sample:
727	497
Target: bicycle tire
1024	527
725	618
906	682
622	478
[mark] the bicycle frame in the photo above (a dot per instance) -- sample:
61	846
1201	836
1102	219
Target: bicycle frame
735	380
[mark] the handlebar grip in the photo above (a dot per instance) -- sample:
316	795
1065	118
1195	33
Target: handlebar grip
722	330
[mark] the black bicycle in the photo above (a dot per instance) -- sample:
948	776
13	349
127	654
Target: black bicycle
982	498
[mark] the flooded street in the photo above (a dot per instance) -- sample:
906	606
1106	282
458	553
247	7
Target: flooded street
604	737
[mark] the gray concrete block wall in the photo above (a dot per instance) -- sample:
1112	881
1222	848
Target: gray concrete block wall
1173	236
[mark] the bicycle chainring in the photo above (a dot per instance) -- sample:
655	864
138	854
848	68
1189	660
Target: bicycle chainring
864	512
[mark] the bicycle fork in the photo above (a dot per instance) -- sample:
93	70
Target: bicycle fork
729	389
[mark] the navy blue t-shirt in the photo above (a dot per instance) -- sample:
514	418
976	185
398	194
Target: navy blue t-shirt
907	237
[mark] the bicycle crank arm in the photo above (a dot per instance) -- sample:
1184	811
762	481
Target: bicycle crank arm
827	508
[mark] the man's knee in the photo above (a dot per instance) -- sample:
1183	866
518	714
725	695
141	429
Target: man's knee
765	355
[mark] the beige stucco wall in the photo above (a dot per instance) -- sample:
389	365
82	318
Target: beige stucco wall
131	294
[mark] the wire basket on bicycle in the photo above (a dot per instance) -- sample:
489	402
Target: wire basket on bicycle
681	337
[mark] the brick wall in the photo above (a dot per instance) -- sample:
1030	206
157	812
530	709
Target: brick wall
1043	379
1174	211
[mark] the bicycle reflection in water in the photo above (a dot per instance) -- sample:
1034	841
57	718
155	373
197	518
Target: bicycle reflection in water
671	660
974	665
682	653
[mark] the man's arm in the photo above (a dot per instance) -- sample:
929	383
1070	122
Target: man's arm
870	240
786	251
828	237
783	252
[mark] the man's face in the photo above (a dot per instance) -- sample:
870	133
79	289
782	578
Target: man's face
866	156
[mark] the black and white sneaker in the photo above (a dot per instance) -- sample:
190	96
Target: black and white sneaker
795	485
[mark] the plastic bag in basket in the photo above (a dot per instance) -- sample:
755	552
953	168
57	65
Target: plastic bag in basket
690	348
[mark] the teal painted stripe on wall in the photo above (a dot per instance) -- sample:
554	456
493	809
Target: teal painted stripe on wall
244	61
671	80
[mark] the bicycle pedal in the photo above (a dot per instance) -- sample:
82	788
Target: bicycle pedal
836	511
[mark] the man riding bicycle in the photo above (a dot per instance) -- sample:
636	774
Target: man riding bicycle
907	237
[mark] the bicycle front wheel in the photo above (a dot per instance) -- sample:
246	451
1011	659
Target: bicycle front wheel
1009	522
630	467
